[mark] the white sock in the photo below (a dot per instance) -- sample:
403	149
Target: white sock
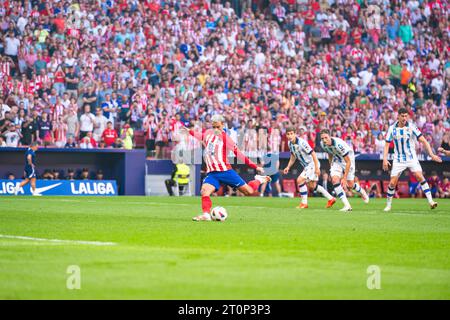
260	178
341	194
357	188
303	193
360	190
324	192
390	195
427	191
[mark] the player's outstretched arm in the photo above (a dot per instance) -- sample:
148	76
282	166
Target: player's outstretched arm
429	150
196	134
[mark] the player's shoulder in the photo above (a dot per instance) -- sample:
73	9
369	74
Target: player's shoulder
341	144
393	126
304	144
290	143
338	141
302	141
412	125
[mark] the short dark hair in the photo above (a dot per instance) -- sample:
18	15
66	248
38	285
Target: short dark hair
402	111
290	129
325	131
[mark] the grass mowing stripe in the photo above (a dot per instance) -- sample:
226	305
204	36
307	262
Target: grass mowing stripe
94	243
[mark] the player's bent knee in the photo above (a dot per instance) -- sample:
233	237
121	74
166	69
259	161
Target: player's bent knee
206	192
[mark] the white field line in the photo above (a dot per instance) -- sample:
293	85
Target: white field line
46	199
93	243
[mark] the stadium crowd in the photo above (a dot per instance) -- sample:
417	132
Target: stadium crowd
95	74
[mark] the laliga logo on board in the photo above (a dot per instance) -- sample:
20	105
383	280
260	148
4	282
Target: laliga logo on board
8	188
92	188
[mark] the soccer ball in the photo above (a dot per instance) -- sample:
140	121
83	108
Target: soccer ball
219	214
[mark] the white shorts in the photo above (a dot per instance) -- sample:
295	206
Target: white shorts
308	173
399	167
338	169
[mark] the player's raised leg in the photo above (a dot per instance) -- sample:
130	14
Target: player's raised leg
250	188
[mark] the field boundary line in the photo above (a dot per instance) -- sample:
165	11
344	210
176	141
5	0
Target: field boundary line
94	243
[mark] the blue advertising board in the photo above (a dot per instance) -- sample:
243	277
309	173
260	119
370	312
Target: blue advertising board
62	188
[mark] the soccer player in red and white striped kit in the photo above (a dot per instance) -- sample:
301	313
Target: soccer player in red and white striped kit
217	145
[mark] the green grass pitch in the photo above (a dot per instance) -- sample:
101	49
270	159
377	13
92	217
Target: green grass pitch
266	249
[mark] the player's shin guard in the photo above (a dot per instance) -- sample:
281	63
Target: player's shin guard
206	204
254	184
426	191
390	195
324	192
303	192
341	194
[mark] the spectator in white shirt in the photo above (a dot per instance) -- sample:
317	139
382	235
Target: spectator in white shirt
87	121
438	84
12	137
260	58
99	125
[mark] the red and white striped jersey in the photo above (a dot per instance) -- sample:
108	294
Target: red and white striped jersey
19	89
5	69
299	37
216	149
60	131
40	80
58	111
